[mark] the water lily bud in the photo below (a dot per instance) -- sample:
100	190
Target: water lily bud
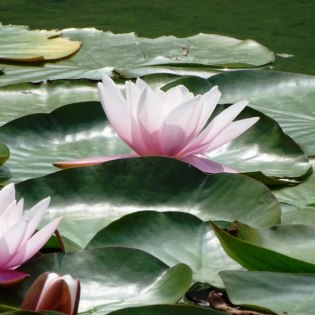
52	292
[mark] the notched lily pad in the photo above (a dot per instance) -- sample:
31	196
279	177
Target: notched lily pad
18	43
105	51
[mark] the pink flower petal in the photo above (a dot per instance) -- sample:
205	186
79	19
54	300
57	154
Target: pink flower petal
133	93
235	129
33	245
209	101
206	165
180	126
10	277
150	119
174	97
116	108
34	217
7	195
10	242
93	160
215	127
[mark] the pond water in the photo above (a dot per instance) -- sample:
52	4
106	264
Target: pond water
286	27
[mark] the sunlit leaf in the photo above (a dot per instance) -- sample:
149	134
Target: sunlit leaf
18	43
283	293
300	195
105	51
173	237
90	198
111	278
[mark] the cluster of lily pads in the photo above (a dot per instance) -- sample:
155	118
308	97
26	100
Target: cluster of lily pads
153	234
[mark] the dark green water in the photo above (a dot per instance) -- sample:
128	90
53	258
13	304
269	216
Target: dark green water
283	26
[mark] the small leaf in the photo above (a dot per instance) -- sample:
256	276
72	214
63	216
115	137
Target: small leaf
17	43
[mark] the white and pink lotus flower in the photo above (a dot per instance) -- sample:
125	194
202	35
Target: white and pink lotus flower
18	242
53	292
171	124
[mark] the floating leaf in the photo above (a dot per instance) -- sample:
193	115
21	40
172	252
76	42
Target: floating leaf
173	237
283	293
90	198
120	277
300	195
104	51
291	214
18	43
23	99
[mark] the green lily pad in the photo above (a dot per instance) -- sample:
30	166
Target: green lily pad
286	97
166	309
90	198
26	98
18	43
23	99
291	214
250	254
4	153
282	293
120	277
104	51
159	234
301	195
36	141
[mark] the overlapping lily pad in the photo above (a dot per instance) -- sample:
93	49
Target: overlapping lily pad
90	198
104	51
282	293
81	130
277	249
24	99
286	97
18	43
300	195
160	235
111	278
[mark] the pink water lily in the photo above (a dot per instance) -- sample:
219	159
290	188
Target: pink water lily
172	124
53	292
18	242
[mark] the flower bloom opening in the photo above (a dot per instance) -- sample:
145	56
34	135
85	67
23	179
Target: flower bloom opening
172	123
18	240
